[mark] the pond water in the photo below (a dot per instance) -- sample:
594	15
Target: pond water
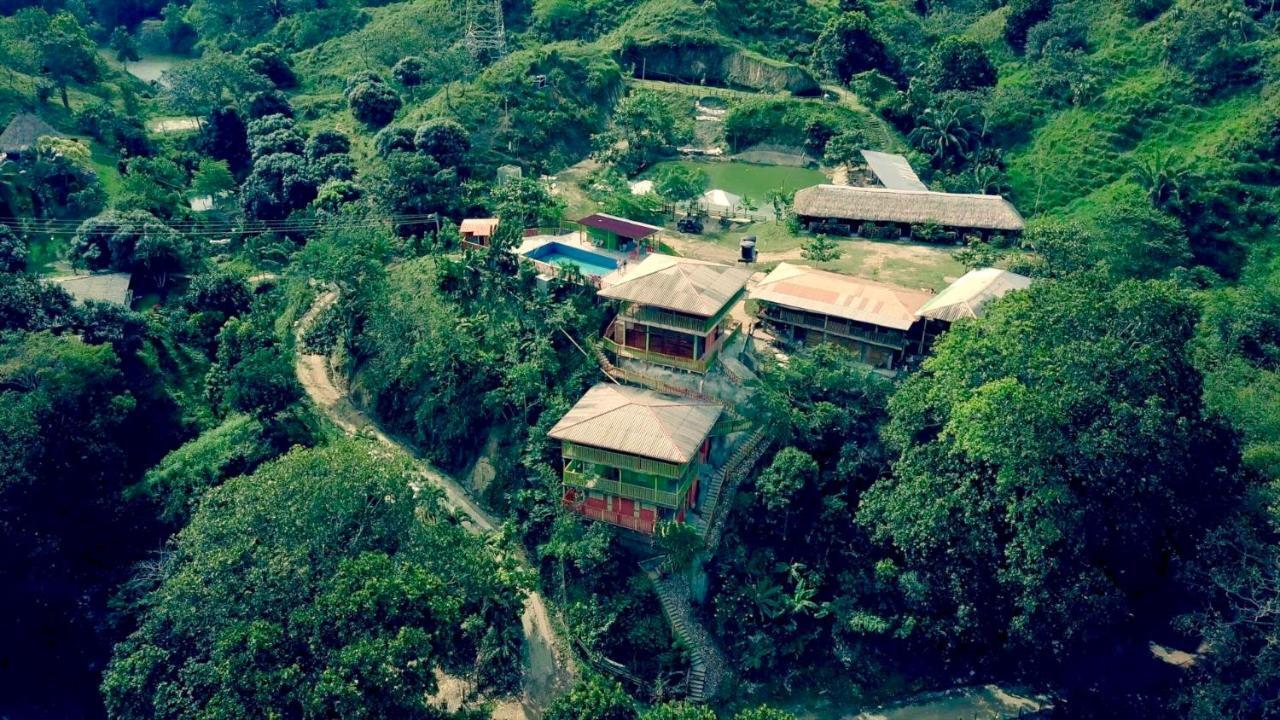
149	68
751	180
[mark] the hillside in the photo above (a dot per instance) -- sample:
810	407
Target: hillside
657	429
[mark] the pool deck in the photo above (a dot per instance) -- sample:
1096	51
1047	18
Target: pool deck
577	239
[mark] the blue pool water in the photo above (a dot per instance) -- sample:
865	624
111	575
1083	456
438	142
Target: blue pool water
591	264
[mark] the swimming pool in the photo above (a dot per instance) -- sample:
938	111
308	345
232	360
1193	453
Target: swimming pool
591	264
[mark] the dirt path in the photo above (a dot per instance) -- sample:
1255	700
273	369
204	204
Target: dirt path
548	666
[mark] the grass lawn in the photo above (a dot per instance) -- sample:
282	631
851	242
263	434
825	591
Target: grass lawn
750	180
912	265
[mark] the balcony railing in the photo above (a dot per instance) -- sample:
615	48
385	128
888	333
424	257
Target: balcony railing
647	466
626	521
587	481
889	338
697	365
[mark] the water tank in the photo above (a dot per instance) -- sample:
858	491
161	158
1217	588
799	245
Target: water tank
748	247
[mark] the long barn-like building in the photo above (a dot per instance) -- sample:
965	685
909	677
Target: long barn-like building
856	210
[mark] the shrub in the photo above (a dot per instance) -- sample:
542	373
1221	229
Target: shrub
1023	15
393	140
269	102
327	142
374	104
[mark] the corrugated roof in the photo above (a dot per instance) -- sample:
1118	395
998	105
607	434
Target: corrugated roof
101	287
987	212
966	297
23	131
639	422
481	227
893	171
681	284
619	226
840	296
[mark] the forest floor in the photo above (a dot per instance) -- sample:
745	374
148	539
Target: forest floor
548	665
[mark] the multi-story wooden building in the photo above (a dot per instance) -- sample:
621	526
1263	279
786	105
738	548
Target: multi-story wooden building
632	456
675	312
878	322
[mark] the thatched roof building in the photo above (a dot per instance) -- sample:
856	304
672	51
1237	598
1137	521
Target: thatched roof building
640	422
680	284
910	207
22	133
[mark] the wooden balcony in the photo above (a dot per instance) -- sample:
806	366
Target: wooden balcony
603	515
673	499
573	451
895	339
694	365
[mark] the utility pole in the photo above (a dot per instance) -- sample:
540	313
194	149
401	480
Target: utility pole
486	37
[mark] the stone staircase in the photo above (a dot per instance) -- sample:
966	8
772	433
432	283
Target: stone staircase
707	666
710	524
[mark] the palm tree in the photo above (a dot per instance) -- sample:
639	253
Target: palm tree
1161	176
941	133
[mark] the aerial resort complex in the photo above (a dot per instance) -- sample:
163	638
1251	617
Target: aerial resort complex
640	359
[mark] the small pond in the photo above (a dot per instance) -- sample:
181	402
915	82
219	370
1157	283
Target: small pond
751	180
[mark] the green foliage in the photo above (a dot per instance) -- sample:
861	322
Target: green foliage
763	712
820	248
791	470
1023	15
848	45
681	183
67	54
13	251
957	63
643	130
131	241
373	103
1006	447
527	203
346	609
786	122
678	711
593	698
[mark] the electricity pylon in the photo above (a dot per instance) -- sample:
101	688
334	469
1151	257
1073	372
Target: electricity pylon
486	36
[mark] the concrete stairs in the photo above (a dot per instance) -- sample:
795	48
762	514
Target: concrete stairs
710	523
707	666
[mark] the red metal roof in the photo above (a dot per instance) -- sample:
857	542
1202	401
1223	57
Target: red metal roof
619	226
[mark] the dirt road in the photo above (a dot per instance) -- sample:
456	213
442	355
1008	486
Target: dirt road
548	666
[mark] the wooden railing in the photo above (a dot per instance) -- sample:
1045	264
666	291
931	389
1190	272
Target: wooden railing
617	488
626	521
889	338
574	451
697	365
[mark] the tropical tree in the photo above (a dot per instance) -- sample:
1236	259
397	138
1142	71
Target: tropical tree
67	54
1008	440
942	133
820	248
124	46
848	45
593	698
347	609
1162	177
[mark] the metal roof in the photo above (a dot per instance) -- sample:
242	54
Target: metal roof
966	297
840	296
639	422
23	131
619	226
893	171
479	227
681	284
101	287
986	212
